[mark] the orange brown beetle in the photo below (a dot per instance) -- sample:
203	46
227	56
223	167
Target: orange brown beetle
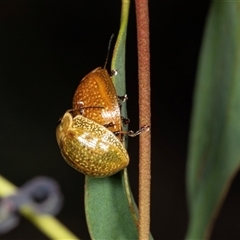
97	99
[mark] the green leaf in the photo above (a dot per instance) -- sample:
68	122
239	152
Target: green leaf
110	209
214	150
107	211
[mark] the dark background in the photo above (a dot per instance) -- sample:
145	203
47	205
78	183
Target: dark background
46	47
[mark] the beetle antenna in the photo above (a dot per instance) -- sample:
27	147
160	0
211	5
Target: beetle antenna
108	50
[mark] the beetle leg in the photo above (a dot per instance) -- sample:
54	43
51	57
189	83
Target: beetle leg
132	133
111	124
123	98
125	121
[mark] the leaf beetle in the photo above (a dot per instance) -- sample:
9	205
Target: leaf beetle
90	147
96	99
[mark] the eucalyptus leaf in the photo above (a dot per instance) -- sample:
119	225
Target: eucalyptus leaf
214	150
108	210
111	211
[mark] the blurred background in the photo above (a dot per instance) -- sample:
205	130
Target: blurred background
46	48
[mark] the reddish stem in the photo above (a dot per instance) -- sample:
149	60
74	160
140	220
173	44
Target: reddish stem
144	117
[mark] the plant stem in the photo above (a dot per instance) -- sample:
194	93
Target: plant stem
144	117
